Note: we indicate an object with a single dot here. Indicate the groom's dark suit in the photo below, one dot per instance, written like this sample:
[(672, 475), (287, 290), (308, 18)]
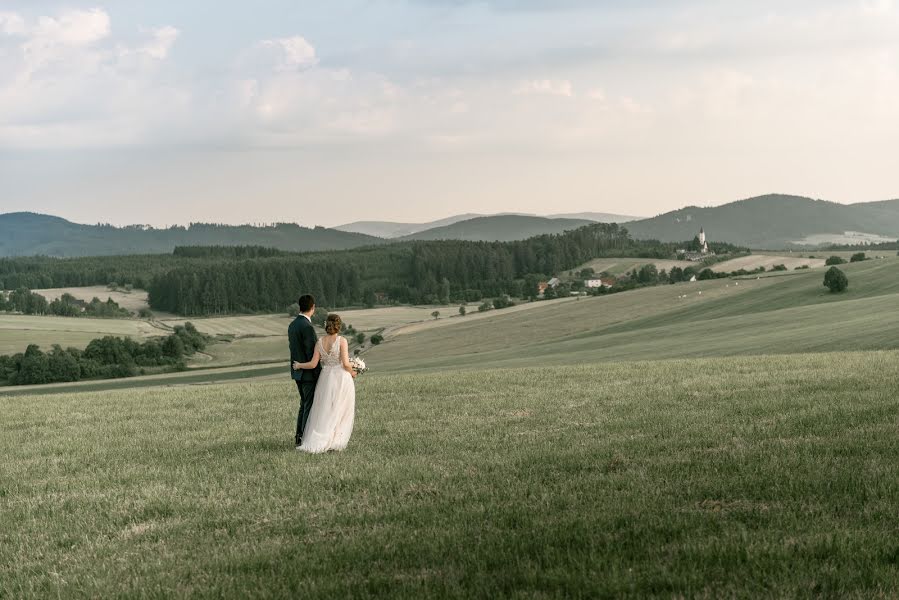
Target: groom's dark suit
[(302, 337)]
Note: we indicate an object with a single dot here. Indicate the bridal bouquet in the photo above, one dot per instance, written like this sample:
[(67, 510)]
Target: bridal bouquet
[(358, 365)]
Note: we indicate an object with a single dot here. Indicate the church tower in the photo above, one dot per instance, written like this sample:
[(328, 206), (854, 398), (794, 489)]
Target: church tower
[(701, 236)]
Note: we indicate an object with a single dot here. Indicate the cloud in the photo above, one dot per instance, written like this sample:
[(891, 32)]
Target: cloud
[(11, 23), (293, 52), (162, 41), (546, 87), (72, 27)]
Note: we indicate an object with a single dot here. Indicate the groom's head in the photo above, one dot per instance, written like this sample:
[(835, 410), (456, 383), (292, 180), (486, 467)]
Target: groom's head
[(307, 304)]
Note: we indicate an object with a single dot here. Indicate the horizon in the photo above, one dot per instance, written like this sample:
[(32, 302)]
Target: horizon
[(414, 111)]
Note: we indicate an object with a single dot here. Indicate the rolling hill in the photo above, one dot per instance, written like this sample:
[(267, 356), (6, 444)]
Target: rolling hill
[(27, 234), (788, 314), (390, 229), (503, 228), (773, 221)]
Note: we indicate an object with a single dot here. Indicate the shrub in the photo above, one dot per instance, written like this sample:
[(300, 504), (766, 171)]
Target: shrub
[(377, 339), (463, 310), (834, 260), (484, 307), (858, 257), (779, 268), (835, 280), (360, 338), (145, 313)]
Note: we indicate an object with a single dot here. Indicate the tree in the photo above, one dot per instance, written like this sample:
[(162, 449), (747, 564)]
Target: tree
[(293, 310), (462, 310), (436, 314), (360, 338), (835, 280), (858, 257), (834, 260), (377, 339)]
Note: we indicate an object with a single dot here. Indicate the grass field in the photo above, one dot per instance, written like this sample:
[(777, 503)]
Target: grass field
[(620, 266), (763, 477), (17, 331), (774, 314), (133, 300), (754, 261)]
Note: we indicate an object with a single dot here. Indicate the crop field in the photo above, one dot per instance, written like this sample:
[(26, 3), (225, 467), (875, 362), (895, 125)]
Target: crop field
[(754, 261), (620, 266), (18, 331), (753, 477), (133, 301), (707, 318)]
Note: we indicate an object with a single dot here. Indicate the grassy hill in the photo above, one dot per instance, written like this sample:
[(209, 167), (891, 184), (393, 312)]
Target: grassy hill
[(503, 228), (788, 314), (736, 477), (26, 234), (772, 221)]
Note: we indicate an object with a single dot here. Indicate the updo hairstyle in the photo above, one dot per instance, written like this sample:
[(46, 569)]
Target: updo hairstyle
[(333, 324)]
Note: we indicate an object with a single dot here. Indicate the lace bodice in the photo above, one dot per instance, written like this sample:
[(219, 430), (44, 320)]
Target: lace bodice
[(330, 359)]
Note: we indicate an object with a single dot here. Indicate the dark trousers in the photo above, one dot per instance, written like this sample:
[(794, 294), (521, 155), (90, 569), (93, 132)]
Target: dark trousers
[(307, 394)]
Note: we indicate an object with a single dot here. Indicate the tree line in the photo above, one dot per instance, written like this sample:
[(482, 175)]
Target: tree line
[(220, 280), (104, 358), (27, 302)]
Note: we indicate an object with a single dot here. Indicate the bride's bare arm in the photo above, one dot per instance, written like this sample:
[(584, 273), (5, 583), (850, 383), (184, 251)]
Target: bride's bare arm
[(345, 357), (308, 365)]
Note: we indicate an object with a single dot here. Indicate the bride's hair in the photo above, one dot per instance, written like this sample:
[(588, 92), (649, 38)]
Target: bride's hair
[(333, 324)]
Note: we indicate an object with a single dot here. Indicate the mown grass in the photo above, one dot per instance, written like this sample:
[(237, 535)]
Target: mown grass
[(763, 477), (790, 314)]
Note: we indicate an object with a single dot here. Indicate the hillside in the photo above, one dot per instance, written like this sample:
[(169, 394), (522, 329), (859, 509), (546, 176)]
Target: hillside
[(503, 228), (788, 314), (27, 234), (772, 221), (390, 229)]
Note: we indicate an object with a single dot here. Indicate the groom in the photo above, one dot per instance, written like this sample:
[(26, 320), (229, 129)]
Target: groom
[(302, 338)]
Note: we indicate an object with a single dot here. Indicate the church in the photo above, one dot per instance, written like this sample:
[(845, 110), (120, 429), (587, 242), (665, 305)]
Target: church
[(703, 253)]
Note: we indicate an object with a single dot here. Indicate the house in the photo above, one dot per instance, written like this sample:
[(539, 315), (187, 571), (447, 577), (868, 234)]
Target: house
[(598, 282), (541, 287), (554, 282)]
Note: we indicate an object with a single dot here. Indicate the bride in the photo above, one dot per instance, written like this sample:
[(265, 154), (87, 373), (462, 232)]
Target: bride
[(330, 421)]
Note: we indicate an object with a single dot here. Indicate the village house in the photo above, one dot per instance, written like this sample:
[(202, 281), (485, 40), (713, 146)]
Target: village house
[(598, 282)]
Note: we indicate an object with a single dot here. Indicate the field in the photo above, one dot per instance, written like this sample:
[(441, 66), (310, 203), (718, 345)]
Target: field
[(717, 317), (17, 331), (620, 266), (133, 301), (767, 477), (754, 261), (643, 444)]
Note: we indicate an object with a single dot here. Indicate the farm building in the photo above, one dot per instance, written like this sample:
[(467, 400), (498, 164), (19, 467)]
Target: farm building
[(598, 282)]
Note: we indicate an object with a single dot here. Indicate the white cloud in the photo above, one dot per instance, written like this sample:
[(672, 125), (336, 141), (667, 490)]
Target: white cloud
[(11, 23), (72, 27), (547, 87), (163, 40), (295, 52), (876, 7)]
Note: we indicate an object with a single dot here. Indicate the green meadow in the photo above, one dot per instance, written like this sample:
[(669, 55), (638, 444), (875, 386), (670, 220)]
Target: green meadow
[(738, 442)]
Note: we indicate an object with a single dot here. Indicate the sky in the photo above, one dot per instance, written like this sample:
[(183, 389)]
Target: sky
[(170, 112)]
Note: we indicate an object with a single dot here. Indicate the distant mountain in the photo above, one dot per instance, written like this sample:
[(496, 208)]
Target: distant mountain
[(390, 229), (501, 228), (773, 221), (595, 216), (27, 234)]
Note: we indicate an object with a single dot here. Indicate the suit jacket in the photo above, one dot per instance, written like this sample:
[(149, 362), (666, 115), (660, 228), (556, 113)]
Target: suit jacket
[(302, 338)]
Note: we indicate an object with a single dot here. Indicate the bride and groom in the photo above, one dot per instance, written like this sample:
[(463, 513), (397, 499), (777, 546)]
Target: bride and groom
[(324, 376)]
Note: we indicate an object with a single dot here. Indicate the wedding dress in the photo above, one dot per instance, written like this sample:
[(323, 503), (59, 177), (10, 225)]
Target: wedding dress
[(330, 421)]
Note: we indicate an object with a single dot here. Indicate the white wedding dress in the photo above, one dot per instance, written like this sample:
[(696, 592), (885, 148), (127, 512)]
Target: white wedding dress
[(330, 421)]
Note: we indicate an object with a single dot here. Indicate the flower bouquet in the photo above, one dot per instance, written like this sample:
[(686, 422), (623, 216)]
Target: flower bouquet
[(358, 365)]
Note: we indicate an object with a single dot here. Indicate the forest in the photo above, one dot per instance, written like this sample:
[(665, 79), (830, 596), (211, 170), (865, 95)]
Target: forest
[(197, 281)]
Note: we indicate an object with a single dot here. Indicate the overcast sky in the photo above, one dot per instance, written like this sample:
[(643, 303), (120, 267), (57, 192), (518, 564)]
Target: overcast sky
[(327, 112)]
